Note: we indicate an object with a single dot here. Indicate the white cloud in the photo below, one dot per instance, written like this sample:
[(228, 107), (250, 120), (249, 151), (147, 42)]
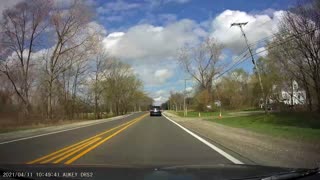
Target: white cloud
[(223, 56), (152, 75), (160, 97), (94, 26), (159, 100), (189, 89), (160, 92), (7, 4), (146, 41), (258, 27), (163, 74), (262, 52)]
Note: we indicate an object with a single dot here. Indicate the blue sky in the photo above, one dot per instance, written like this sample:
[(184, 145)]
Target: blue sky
[(198, 10), (148, 34)]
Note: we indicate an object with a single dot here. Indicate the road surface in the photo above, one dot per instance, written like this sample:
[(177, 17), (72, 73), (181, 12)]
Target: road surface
[(134, 140)]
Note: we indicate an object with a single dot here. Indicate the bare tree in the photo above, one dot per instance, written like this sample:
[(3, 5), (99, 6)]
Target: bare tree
[(100, 67), (21, 27), (176, 100), (71, 33), (122, 89), (299, 50), (202, 63), (77, 75)]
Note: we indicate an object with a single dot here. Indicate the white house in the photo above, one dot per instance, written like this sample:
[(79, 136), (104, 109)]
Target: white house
[(290, 95), (293, 95)]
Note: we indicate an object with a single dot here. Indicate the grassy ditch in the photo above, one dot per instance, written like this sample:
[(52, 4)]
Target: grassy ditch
[(288, 125)]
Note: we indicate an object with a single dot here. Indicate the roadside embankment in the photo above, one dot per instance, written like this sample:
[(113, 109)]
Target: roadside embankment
[(261, 148)]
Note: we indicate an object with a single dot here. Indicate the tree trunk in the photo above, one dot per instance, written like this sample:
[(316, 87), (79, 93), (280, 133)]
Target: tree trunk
[(308, 97), (111, 112), (96, 113), (50, 100), (318, 97)]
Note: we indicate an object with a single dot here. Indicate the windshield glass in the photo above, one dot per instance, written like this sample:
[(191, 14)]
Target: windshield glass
[(163, 83)]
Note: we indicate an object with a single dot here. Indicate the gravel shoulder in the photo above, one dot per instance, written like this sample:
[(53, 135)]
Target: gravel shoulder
[(13, 135), (258, 148)]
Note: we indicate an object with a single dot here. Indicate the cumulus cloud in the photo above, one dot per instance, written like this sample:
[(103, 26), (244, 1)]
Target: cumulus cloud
[(258, 27), (262, 52), (189, 89), (159, 100), (163, 74), (155, 75), (151, 49), (160, 96), (94, 26), (147, 41)]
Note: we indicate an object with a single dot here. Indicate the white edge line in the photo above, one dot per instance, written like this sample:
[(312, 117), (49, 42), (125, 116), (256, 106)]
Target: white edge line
[(55, 132), (220, 151)]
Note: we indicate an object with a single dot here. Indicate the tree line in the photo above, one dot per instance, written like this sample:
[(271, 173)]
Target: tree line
[(53, 66), (293, 55)]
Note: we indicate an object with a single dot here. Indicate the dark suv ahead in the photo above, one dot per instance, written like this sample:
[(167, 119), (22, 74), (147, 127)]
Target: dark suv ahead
[(155, 111)]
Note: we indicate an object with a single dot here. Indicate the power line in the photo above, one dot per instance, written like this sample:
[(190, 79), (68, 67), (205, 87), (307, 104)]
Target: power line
[(234, 65), (289, 38), (274, 35)]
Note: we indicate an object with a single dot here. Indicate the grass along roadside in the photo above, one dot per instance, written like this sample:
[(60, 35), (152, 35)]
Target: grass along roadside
[(300, 126), (196, 114), (216, 114)]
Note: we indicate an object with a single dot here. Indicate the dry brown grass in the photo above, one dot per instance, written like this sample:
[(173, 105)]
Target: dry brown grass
[(8, 124)]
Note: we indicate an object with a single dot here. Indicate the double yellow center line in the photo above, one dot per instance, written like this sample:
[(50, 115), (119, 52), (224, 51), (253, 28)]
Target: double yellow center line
[(73, 152)]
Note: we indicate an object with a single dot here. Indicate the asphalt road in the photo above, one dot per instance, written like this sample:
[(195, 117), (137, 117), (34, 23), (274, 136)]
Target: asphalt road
[(134, 140)]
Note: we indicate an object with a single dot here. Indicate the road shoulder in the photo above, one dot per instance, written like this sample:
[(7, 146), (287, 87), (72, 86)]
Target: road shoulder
[(258, 148)]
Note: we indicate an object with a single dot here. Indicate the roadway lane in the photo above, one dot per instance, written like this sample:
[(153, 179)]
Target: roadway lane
[(153, 141), (134, 140), (27, 150)]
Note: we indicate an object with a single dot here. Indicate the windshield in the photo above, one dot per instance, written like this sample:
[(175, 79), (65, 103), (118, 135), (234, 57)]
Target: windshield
[(164, 83)]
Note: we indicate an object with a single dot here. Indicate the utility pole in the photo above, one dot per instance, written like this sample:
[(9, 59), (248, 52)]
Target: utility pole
[(185, 110), (184, 97), (253, 62)]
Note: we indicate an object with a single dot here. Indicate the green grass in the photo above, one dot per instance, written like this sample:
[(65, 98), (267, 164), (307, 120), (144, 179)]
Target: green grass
[(225, 113), (196, 114), (253, 109), (304, 126)]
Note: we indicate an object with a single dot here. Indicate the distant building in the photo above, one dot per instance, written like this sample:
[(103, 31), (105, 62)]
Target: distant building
[(293, 95), (287, 94), (217, 103)]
